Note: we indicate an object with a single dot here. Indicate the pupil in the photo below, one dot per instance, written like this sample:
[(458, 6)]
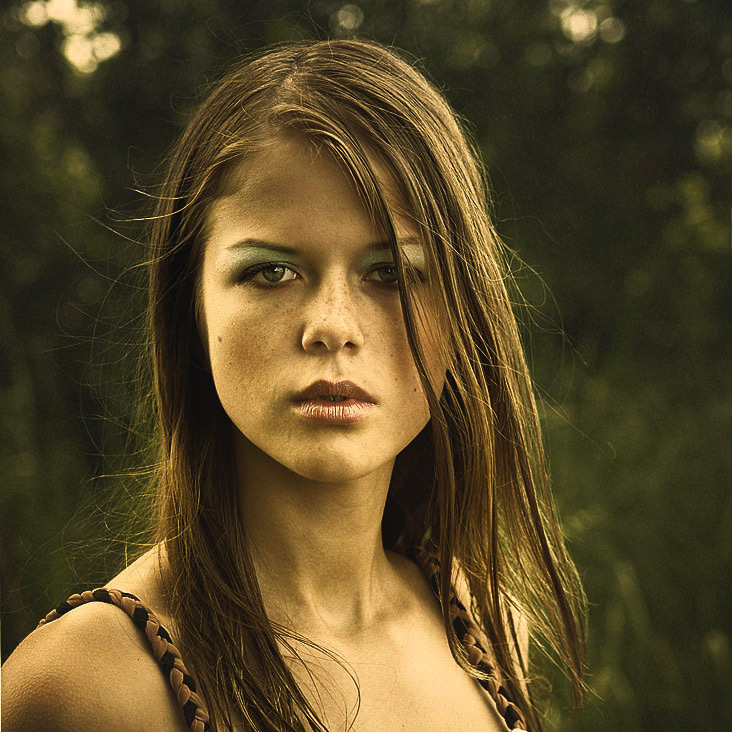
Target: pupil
[(269, 271), (393, 272)]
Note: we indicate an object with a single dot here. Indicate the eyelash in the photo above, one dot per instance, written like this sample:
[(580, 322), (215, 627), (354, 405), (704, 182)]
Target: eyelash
[(250, 273)]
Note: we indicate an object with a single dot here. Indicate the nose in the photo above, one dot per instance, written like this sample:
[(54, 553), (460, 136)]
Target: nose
[(332, 319)]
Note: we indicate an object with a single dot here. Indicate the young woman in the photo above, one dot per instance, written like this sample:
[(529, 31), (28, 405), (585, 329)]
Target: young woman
[(353, 523)]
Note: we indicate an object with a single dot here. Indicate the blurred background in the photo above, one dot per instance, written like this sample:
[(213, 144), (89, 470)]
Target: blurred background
[(606, 126)]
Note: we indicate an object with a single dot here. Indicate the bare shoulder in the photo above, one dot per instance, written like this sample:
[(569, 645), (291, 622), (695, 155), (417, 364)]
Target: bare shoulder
[(90, 669), (515, 621), (460, 584)]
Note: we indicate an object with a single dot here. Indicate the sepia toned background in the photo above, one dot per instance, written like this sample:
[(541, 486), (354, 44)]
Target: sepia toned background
[(606, 126)]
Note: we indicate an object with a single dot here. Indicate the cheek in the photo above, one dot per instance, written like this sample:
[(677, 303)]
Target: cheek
[(436, 363), (431, 328), (238, 332), (242, 351), (409, 394)]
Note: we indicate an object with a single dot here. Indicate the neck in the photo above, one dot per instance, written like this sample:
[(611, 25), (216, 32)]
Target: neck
[(316, 546)]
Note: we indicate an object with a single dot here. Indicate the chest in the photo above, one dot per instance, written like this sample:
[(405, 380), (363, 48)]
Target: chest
[(430, 700), (416, 688)]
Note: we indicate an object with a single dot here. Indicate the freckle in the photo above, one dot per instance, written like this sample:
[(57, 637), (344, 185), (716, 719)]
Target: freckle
[(219, 339)]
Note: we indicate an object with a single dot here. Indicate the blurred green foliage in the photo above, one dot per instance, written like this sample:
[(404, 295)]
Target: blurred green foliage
[(607, 129)]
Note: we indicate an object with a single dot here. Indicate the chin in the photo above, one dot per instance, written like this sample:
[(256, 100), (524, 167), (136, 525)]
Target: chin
[(334, 468)]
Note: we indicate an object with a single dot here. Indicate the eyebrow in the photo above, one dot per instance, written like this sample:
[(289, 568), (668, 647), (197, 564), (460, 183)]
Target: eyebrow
[(376, 246)]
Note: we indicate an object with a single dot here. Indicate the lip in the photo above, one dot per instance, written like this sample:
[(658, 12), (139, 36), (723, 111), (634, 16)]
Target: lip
[(348, 411), (313, 403), (320, 389)]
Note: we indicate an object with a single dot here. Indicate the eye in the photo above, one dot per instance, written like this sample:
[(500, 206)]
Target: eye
[(391, 277), (272, 272)]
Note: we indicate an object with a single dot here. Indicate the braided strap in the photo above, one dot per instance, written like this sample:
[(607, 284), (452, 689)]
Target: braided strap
[(468, 633), (166, 654)]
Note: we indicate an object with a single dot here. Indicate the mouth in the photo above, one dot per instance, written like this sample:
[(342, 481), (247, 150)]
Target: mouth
[(334, 409)]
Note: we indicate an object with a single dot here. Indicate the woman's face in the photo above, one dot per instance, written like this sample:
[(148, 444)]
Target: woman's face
[(324, 308)]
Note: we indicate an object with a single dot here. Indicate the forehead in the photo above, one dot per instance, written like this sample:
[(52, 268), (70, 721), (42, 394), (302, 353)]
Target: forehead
[(292, 185)]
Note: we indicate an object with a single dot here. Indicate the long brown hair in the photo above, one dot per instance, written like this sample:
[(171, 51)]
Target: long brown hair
[(471, 486)]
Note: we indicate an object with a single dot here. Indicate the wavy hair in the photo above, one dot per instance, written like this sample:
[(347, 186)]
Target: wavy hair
[(471, 487)]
